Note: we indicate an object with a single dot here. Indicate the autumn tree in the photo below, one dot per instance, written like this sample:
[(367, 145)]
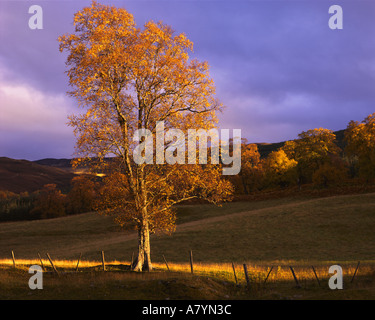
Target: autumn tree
[(5, 194), (127, 79), (279, 169), (360, 138), (312, 149), (330, 173), (251, 168), (50, 203), (81, 197)]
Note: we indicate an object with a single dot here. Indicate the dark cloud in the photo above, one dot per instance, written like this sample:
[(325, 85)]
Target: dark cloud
[(277, 66), (35, 145)]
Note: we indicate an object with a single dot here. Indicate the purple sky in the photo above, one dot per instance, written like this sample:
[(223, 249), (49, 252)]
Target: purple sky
[(278, 67)]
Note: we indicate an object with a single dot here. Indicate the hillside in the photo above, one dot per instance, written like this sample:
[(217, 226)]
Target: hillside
[(299, 232), (336, 228), (264, 150), (22, 175), (57, 163)]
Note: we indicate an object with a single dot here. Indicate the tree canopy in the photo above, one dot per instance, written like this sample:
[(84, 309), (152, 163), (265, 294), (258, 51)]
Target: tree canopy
[(129, 78)]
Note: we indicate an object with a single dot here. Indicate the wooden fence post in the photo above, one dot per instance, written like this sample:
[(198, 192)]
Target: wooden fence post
[(166, 263), (355, 272), (246, 275), (191, 261), (78, 261), (234, 272), (53, 266), (41, 262), (295, 278), (268, 275), (103, 261), (316, 276), (14, 260)]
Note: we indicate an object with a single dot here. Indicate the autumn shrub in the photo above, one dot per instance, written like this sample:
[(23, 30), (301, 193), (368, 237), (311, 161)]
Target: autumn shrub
[(312, 149), (81, 197), (5, 194), (329, 174), (15, 207), (251, 175), (280, 171), (50, 203), (360, 138)]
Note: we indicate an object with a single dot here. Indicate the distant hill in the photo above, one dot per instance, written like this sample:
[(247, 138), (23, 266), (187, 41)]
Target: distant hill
[(22, 175), (57, 163), (266, 148)]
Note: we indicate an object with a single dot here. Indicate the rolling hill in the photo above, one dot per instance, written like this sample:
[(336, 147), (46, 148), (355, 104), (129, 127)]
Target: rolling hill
[(22, 175), (296, 228), (296, 231), (57, 163)]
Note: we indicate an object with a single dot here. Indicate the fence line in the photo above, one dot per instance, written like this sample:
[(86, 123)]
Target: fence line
[(193, 270)]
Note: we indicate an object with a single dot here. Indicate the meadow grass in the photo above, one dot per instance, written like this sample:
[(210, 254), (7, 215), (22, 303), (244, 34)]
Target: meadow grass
[(337, 229), (209, 281), (224, 271), (298, 231)]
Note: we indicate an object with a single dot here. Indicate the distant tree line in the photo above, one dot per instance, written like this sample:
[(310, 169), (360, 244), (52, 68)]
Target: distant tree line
[(49, 202), (314, 158), (15, 206)]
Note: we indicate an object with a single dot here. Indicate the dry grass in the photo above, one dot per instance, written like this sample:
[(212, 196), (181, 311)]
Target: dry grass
[(337, 229), (209, 281), (224, 271), (281, 232)]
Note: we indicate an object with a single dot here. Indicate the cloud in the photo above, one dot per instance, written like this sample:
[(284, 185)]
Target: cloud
[(276, 64), (27, 109), (33, 122)]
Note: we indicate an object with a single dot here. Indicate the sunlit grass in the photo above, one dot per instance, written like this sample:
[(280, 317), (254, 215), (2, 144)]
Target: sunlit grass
[(279, 272), (65, 264), (337, 228), (274, 233), (258, 273), (209, 281)]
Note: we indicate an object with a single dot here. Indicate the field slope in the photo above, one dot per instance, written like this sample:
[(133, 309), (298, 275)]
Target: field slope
[(339, 228), (22, 175)]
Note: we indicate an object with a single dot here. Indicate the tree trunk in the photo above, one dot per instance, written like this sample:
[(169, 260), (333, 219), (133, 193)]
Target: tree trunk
[(143, 261), (244, 186)]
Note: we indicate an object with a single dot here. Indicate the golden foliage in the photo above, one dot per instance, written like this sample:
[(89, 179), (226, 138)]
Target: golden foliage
[(329, 173), (360, 138), (279, 169), (81, 197), (251, 169), (312, 149), (129, 78), (5, 194)]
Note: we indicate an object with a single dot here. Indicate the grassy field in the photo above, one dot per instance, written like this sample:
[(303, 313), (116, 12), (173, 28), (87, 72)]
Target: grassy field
[(275, 233), (209, 282)]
